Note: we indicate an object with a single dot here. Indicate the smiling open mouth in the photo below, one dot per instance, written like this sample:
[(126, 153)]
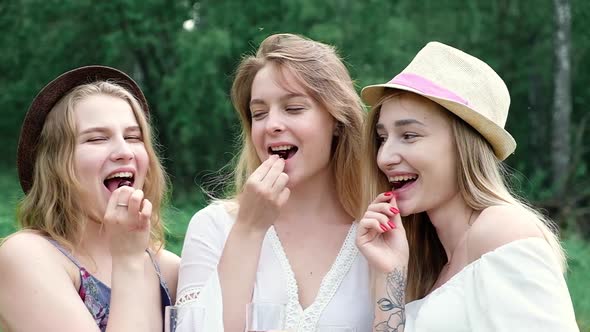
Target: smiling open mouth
[(401, 181), (118, 180), (283, 151)]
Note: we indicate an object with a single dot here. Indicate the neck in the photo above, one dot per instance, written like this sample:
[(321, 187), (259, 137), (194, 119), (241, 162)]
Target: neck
[(315, 200), (452, 221)]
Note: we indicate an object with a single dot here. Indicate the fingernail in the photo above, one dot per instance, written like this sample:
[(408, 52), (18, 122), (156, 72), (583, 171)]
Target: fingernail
[(383, 227), (391, 224), (389, 193), (394, 210)]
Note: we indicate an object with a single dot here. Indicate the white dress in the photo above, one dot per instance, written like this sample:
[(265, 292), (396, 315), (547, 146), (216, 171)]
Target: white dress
[(517, 287), (343, 297)]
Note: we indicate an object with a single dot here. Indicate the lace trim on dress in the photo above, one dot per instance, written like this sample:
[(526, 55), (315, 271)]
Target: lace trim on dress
[(188, 295), (307, 320)]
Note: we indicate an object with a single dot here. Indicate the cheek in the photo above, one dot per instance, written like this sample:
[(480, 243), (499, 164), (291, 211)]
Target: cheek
[(143, 158), (380, 159), (257, 139), (444, 164), (256, 134), (84, 163)]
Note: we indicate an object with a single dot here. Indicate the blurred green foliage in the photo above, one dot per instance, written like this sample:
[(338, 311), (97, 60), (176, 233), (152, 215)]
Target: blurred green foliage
[(186, 73)]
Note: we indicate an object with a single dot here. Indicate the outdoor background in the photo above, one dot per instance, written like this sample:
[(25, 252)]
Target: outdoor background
[(183, 54)]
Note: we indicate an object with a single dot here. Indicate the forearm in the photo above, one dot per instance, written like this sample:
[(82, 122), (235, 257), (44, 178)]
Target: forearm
[(237, 273), (390, 293), (129, 302)]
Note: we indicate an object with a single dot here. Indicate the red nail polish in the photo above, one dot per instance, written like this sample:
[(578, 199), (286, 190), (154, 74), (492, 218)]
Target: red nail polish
[(394, 210), (389, 193), (391, 224), (383, 227)]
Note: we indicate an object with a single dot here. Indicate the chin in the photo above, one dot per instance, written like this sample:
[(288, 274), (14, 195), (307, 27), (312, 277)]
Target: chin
[(406, 210)]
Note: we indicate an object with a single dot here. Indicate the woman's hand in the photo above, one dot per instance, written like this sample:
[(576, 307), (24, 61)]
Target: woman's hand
[(127, 221), (381, 236), (265, 192)]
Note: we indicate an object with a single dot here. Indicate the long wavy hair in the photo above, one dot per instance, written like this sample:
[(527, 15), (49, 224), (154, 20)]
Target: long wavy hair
[(319, 69), (482, 183), (54, 206)]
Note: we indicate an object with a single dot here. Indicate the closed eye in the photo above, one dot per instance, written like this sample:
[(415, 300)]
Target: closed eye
[(410, 136), (133, 138), (294, 109), (258, 115), (96, 139)]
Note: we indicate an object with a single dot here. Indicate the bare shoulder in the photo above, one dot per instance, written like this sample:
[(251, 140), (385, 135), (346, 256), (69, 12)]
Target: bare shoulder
[(168, 259), (169, 264), (36, 283), (28, 250), (500, 225), (24, 246)]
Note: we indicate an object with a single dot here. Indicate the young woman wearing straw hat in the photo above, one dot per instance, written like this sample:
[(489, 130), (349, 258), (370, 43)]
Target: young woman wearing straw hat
[(287, 235), (446, 235), (90, 257)]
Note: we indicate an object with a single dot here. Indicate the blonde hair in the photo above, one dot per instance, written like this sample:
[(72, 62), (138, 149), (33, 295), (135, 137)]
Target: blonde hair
[(481, 182), (318, 68), (53, 205)]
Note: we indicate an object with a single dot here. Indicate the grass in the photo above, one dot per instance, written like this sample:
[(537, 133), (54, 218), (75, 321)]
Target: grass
[(178, 217), (578, 252)]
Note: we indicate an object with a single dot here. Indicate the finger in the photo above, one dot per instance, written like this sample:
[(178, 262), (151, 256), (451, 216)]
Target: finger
[(384, 208), (273, 173), (135, 201), (124, 194), (397, 217), (370, 224), (398, 222), (260, 172), (383, 219), (281, 182), (118, 203), (284, 196), (384, 197), (111, 206), (145, 215)]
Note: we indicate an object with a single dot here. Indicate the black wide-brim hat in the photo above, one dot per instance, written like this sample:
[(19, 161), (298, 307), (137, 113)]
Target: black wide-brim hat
[(46, 100)]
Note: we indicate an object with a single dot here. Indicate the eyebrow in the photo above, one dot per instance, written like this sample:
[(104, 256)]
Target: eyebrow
[(104, 129), (401, 123), (285, 97)]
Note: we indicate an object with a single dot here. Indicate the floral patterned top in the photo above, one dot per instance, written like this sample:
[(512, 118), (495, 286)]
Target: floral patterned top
[(97, 296)]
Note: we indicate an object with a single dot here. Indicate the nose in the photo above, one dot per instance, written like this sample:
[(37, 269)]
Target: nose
[(389, 155), (275, 122), (121, 150)]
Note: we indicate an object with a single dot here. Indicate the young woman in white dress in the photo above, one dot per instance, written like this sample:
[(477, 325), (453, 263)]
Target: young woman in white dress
[(287, 235), (452, 248)]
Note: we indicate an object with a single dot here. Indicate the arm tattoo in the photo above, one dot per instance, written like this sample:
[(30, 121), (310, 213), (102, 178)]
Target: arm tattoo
[(394, 303)]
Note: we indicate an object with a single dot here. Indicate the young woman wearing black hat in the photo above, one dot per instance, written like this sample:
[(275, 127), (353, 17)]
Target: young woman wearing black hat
[(90, 256)]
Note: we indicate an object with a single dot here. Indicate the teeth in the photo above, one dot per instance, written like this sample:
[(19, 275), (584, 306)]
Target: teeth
[(281, 147), (120, 175), (402, 178)]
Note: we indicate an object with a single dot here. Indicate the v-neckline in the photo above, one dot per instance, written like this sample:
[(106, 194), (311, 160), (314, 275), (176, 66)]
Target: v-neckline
[(306, 319)]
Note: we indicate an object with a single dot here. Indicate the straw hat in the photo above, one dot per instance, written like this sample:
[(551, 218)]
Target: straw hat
[(461, 83), (48, 97)]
